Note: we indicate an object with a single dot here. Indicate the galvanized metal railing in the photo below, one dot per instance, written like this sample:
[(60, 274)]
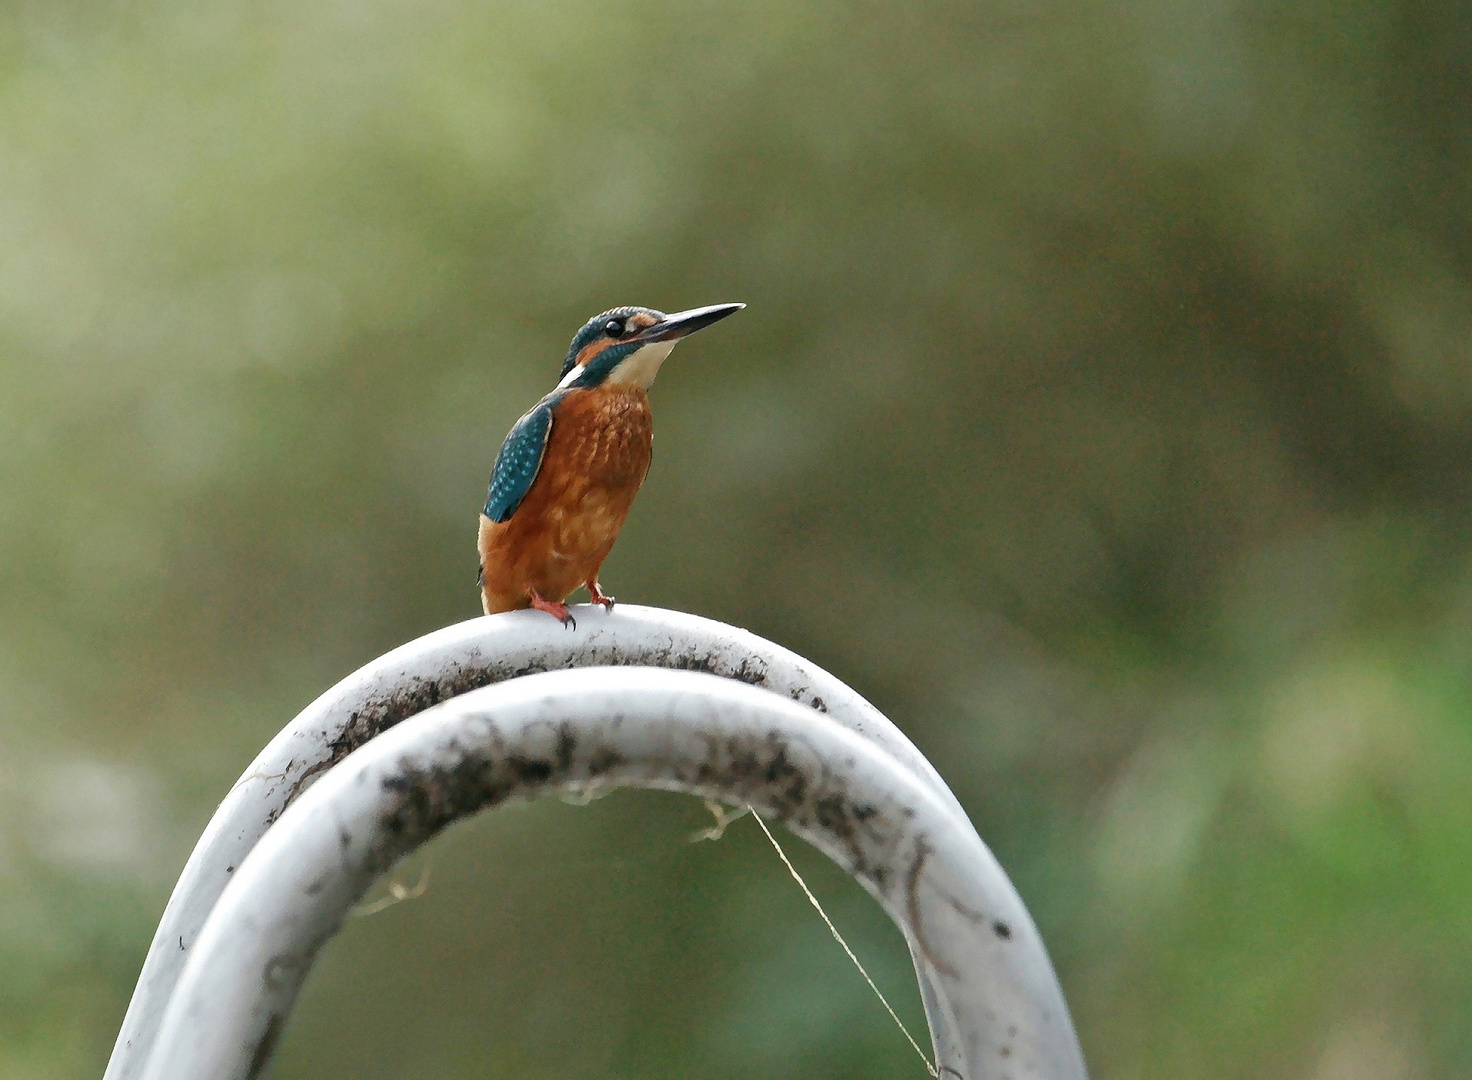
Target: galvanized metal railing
[(488, 710)]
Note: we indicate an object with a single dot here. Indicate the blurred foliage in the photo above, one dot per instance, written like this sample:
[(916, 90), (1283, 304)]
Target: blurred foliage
[(1102, 411)]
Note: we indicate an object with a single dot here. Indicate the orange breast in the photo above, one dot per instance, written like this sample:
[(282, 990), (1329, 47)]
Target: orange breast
[(596, 459)]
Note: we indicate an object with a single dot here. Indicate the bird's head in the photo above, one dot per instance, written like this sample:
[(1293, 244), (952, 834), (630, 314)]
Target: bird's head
[(627, 344)]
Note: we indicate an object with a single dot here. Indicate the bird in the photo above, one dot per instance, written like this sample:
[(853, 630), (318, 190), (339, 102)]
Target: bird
[(567, 473)]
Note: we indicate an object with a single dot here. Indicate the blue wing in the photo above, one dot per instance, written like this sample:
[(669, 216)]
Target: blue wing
[(520, 460)]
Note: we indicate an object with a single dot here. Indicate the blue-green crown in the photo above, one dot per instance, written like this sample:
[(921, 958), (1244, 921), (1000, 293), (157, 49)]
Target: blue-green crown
[(597, 327)]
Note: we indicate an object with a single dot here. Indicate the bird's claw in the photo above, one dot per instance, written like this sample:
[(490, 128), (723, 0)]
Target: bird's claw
[(553, 608), (599, 596)]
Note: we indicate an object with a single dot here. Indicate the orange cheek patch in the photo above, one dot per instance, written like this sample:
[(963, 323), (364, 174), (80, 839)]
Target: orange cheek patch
[(592, 349)]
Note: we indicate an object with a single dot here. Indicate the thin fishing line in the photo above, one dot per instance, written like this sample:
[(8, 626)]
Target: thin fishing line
[(397, 894), (930, 1068)]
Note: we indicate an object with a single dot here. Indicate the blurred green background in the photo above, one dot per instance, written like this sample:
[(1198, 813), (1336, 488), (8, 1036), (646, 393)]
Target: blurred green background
[(1102, 411)]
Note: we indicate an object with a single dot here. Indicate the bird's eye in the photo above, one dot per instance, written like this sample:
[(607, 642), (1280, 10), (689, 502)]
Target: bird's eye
[(614, 327)]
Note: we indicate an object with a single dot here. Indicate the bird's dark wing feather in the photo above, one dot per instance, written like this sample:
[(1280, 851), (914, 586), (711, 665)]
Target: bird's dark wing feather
[(520, 459)]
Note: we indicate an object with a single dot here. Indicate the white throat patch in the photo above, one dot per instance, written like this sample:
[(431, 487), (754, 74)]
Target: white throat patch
[(641, 368)]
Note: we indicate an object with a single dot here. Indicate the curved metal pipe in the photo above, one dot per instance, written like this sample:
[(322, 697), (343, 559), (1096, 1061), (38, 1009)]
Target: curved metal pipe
[(439, 666), (673, 730)]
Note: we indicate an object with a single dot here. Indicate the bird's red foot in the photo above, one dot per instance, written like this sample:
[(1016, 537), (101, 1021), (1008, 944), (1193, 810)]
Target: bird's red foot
[(553, 608), (599, 596)]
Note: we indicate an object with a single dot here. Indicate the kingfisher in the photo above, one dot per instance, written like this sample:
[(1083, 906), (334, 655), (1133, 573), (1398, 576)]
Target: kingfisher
[(567, 474)]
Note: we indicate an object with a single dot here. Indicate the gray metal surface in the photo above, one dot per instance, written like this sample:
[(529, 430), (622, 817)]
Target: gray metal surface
[(437, 667), (993, 990)]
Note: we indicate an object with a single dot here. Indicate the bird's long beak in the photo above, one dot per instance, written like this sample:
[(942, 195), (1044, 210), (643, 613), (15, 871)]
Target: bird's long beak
[(683, 323)]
